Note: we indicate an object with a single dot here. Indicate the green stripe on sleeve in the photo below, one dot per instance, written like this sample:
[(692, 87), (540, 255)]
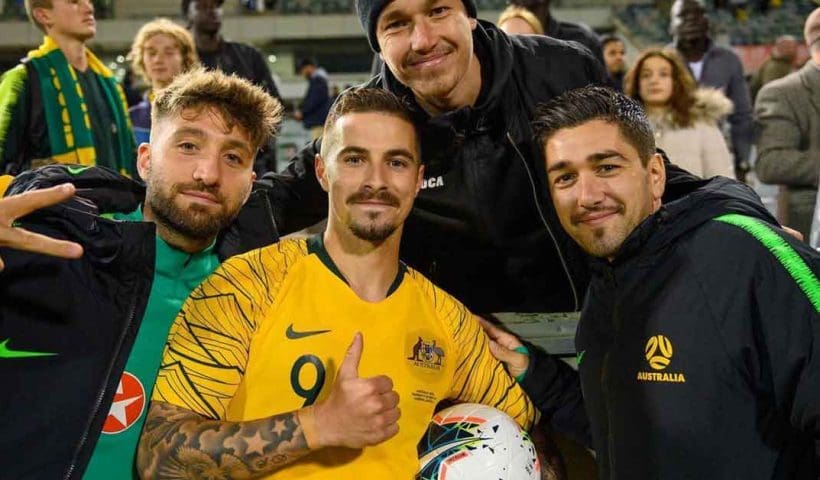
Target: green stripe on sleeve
[(785, 254)]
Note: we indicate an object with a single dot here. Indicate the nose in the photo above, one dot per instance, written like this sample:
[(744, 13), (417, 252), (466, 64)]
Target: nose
[(375, 176), (89, 5), (206, 169), (590, 191), (422, 38)]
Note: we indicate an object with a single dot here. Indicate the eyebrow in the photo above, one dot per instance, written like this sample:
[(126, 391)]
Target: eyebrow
[(391, 15), (596, 157), (393, 152), (196, 132)]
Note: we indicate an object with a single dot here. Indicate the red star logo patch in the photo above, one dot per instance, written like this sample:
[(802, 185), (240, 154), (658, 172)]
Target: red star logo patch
[(128, 404)]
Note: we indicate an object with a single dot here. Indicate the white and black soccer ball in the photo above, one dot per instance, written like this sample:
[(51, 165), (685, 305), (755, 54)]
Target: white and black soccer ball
[(476, 442)]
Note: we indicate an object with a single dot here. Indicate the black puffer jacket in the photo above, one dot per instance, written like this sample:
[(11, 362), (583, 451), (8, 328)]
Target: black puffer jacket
[(699, 351), (482, 227), (85, 313)]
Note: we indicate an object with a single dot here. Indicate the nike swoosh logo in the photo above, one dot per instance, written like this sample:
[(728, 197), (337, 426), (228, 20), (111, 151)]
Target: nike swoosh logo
[(580, 357), (77, 170), (294, 335), (6, 352)]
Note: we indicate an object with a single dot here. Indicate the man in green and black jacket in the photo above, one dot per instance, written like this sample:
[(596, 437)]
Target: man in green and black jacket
[(81, 340)]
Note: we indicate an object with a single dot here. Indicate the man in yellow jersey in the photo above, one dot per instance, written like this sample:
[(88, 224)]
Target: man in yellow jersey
[(257, 379)]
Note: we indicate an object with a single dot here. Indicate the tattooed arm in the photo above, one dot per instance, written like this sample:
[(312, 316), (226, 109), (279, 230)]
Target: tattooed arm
[(178, 443)]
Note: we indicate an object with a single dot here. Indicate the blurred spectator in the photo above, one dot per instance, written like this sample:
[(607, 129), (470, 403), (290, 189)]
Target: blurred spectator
[(779, 64), (684, 118), (215, 52), (518, 20), (132, 95), (788, 144), (316, 104), (715, 66), (562, 30), (614, 51), (161, 51), (61, 104)]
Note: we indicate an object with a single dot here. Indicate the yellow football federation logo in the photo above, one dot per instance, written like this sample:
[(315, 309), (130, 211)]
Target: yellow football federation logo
[(658, 352)]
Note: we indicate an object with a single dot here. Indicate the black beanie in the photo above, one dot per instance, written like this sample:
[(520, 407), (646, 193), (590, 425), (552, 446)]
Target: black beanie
[(369, 11)]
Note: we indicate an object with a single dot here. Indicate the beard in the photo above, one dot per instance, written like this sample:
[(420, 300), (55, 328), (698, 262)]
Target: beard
[(194, 222), (372, 231)]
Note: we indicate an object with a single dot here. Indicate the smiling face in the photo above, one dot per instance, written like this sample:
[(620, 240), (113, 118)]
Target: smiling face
[(162, 57), (656, 81), (428, 46), (372, 174), (198, 171), (68, 18), (599, 186)]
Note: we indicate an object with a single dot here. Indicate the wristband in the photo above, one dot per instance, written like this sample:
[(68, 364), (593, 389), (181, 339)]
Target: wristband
[(522, 349)]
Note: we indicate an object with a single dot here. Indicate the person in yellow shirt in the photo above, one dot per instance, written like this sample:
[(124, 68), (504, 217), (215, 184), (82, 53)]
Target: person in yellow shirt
[(256, 380)]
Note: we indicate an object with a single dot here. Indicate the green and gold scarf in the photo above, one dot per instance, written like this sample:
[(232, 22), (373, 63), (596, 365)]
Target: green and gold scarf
[(66, 113)]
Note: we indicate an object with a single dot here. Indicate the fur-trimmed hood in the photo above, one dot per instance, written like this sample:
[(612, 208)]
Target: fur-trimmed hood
[(710, 105)]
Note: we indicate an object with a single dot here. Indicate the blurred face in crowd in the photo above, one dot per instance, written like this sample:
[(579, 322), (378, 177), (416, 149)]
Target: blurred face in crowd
[(198, 171), (372, 174), (655, 81), (68, 18), (614, 56), (517, 25), (205, 16), (689, 25), (599, 185), (428, 46), (162, 57)]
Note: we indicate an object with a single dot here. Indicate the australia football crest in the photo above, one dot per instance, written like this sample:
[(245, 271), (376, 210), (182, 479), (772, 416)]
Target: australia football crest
[(426, 354)]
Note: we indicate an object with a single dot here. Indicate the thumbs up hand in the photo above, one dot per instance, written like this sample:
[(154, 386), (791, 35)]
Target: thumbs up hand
[(359, 411)]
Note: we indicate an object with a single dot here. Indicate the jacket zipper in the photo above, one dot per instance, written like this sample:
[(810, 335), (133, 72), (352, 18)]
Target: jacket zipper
[(544, 221), (101, 394)]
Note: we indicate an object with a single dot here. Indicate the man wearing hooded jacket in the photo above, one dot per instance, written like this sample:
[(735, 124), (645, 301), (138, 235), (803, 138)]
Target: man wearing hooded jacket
[(698, 343), (480, 228)]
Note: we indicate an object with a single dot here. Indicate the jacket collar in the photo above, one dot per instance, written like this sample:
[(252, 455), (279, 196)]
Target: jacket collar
[(810, 78)]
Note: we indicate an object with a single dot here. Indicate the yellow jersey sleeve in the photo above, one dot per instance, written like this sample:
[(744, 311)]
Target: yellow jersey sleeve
[(208, 346), (478, 376)]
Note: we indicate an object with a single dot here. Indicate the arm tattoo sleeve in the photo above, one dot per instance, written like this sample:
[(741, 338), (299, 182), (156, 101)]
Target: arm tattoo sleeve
[(179, 444)]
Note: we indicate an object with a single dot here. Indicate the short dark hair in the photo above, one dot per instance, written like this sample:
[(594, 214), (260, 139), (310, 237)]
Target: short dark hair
[(304, 63), (583, 105), (186, 4), (610, 38), (364, 100)]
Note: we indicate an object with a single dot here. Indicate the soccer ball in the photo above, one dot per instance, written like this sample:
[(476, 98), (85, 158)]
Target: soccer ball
[(476, 442)]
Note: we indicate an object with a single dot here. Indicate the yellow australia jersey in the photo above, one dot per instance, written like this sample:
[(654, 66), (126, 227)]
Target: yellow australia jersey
[(266, 333)]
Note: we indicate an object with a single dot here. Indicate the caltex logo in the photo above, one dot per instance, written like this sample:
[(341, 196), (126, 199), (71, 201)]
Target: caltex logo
[(128, 404)]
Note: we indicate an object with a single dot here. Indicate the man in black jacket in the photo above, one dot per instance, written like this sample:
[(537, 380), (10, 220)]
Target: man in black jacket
[(204, 19), (698, 343), (80, 340), (481, 227)]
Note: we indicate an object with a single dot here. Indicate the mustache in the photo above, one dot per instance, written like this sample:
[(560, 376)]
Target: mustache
[(365, 195), (588, 212), (413, 58), (199, 187)]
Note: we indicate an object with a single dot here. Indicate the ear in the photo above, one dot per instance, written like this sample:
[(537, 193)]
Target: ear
[(657, 179), (420, 179), (473, 23), (42, 16), (144, 160), (321, 171)]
